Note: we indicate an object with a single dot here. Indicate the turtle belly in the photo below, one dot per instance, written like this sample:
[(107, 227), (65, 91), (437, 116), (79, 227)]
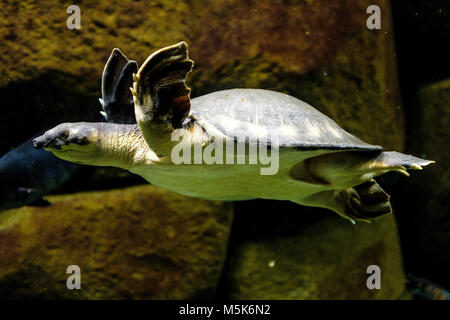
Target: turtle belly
[(229, 181)]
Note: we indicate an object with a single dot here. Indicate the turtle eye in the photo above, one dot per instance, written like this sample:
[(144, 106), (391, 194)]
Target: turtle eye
[(63, 135)]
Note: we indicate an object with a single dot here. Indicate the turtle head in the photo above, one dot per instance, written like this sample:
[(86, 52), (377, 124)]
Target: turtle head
[(76, 142)]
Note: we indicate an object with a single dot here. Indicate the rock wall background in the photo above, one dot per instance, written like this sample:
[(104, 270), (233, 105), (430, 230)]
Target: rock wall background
[(422, 32), (321, 259), (318, 51), (135, 243), (286, 46)]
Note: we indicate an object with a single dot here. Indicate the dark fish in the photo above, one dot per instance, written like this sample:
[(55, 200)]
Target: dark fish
[(425, 289), (27, 174)]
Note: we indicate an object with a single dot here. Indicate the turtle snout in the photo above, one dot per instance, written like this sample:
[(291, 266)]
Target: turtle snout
[(47, 141), (39, 142)]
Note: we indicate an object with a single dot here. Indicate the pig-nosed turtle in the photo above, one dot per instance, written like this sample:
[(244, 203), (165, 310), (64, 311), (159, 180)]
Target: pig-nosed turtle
[(320, 164)]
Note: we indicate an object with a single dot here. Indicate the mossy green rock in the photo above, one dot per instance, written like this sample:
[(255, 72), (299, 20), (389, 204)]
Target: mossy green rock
[(318, 51), (136, 243), (328, 259)]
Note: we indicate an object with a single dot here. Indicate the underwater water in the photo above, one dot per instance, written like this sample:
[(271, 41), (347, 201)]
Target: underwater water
[(73, 231)]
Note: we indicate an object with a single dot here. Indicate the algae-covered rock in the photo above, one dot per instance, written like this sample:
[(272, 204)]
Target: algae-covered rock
[(426, 200), (319, 51), (50, 74), (135, 243), (324, 259)]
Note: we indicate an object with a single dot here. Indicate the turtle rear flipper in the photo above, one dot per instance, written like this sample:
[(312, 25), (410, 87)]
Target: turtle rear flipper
[(360, 203), (392, 159), (350, 168), (161, 96), (117, 100), (369, 201)]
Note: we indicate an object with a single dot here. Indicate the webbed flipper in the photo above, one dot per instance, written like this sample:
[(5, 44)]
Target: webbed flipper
[(161, 97), (343, 169), (364, 202), (399, 162), (117, 100), (370, 201)]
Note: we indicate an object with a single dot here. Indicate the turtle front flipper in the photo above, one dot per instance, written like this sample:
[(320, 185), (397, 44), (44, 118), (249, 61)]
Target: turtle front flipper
[(161, 97), (117, 100)]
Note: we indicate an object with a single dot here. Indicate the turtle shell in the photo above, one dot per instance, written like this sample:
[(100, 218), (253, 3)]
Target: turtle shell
[(246, 114)]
